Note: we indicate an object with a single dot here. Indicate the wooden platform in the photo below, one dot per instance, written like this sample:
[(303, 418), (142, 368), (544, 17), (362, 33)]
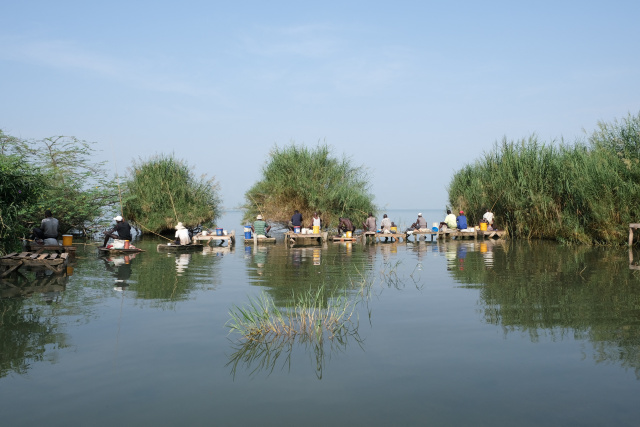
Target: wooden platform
[(374, 237), (256, 241), (338, 239), (633, 226), (119, 251), (56, 248), (185, 248), (291, 238), (51, 261), (229, 238), (500, 234)]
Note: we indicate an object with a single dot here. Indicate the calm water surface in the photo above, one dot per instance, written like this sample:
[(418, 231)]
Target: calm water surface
[(454, 333)]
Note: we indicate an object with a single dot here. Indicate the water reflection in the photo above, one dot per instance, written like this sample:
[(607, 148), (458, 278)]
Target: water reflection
[(540, 288), (120, 267)]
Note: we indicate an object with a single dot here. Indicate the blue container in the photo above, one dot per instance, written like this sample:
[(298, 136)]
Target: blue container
[(296, 229), (247, 232), (219, 231), (434, 229)]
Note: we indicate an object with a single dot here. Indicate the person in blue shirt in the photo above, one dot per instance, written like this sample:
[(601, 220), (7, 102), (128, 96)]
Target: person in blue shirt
[(296, 220), (462, 221)]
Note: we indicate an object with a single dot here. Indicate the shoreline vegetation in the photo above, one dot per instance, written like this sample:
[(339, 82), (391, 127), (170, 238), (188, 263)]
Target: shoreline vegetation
[(309, 180), (587, 192)]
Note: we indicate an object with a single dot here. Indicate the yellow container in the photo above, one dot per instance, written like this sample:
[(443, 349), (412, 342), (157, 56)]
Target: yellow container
[(394, 229), (483, 226), (69, 271), (67, 240), (316, 229), (349, 234)]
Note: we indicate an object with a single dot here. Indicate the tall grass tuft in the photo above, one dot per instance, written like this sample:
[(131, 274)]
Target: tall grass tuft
[(163, 191), (313, 314), (583, 192), (309, 180)]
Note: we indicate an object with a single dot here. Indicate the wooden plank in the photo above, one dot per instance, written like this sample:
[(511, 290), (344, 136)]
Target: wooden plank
[(43, 256), (53, 256), (10, 270), (34, 255), (23, 254), (12, 254)]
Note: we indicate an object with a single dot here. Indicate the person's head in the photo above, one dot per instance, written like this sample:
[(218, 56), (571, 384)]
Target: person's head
[(461, 212), (486, 209), (315, 214), (448, 211), (47, 214), (259, 217), (179, 226), (340, 219), (118, 219), (384, 216), (296, 211), (419, 214), (370, 214)]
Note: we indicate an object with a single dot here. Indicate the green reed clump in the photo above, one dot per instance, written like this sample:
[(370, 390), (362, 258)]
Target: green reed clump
[(584, 192), (163, 191), (313, 313), (309, 180)]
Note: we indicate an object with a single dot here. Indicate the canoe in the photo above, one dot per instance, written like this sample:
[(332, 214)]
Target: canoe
[(119, 251), (172, 247)]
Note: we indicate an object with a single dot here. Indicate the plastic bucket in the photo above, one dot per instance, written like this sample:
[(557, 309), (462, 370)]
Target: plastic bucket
[(435, 229), (483, 226), (316, 229), (218, 231), (296, 229), (247, 232), (126, 244), (349, 234), (67, 240), (394, 229)]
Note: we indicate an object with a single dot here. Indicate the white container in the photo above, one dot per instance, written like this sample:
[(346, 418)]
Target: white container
[(204, 233)]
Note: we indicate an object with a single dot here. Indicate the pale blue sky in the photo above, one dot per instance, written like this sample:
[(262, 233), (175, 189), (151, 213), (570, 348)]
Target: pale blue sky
[(413, 90)]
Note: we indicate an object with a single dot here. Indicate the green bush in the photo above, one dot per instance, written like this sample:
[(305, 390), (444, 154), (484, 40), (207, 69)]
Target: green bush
[(309, 180), (585, 192), (163, 191)]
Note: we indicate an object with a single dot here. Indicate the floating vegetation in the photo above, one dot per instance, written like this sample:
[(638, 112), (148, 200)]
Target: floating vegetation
[(315, 314)]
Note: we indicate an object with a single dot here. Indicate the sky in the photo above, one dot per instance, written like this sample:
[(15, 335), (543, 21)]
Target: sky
[(410, 90)]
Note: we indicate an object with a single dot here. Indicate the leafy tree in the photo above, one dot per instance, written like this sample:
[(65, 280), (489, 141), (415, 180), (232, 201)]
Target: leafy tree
[(75, 188), (163, 191), (20, 188), (309, 180)]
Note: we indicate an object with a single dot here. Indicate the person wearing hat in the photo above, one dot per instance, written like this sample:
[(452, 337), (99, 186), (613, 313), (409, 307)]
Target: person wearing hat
[(461, 221), (260, 227), (121, 231), (182, 235), (420, 224)]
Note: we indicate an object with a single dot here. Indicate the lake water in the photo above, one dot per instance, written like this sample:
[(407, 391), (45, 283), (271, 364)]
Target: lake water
[(449, 333)]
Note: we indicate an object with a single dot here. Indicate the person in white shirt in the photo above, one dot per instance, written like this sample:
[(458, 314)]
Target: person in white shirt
[(182, 235), (488, 216)]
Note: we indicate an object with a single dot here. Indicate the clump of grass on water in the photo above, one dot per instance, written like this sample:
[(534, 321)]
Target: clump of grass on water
[(315, 313)]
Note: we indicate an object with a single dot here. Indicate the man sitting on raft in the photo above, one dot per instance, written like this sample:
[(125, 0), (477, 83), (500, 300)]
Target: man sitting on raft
[(346, 225), (260, 228), (123, 230), (182, 235)]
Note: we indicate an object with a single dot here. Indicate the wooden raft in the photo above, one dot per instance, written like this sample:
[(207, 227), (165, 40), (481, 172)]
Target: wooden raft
[(229, 238), (379, 236), (633, 226), (71, 250), (51, 261), (338, 239), (256, 241), (291, 238)]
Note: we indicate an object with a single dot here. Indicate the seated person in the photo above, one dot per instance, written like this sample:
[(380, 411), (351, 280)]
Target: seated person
[(461, 221), (260, 228), (450, 221), (315, 221), (182, 235), (47, 234), (370, 223), (488, 217), (296, 220), (346, 225), (122, 228), (385, 224), (419, 225)]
